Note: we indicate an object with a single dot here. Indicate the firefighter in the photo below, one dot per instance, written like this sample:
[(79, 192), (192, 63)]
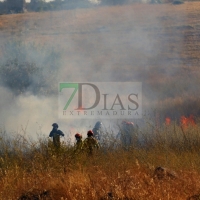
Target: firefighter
[(79, 143), (55, 133), (90, 143), (127, 133), (97, 130)]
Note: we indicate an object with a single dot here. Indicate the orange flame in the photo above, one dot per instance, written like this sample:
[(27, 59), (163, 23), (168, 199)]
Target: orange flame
[(187, 121), (167, 121)]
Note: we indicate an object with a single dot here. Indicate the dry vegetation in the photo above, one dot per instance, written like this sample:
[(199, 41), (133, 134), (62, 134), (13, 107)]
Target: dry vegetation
[(35, 170), (159, 44), (169, 70)]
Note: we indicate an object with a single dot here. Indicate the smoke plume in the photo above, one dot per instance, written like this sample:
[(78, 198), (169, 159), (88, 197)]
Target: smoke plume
[(105, 44)]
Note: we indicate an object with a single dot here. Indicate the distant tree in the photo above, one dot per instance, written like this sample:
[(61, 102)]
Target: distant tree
[(15, 5), (72, 4), (58, 4), (38, 5), (114, 2), (3, 7), (34, 4)]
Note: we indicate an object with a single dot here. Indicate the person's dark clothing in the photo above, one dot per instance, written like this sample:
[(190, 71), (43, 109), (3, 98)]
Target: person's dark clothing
[(55, 133)]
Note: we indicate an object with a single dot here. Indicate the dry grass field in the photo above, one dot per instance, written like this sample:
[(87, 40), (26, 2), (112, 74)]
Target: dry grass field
[(38, 171), (157, 45), (153, 44)]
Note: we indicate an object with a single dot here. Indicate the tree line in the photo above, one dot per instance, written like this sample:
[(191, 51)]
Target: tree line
[(20, 6)]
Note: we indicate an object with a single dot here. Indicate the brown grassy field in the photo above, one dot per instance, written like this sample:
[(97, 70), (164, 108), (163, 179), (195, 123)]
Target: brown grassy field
[(157, 45), (38, 171), (153, 44)]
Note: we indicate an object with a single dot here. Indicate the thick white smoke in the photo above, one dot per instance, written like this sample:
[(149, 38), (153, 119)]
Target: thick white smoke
[(105, 44)]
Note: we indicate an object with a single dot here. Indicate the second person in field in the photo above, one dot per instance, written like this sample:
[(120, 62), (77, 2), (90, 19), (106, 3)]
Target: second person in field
[(90, 144)]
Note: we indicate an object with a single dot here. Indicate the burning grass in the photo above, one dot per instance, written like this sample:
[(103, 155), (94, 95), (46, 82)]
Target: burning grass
[(35, 170)]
